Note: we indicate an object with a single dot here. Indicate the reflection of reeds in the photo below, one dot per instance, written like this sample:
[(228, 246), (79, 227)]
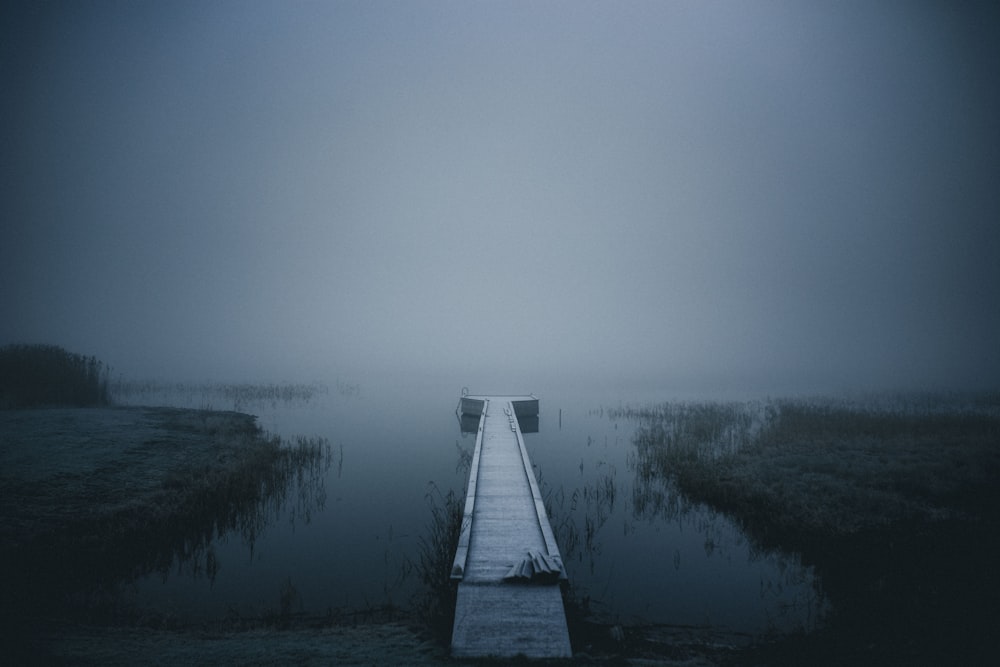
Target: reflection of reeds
[(596, 500), (464, 459), (436, 552)]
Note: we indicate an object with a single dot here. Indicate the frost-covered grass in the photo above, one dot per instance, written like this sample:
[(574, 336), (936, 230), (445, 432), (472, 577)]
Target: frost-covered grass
[(893, 500), (830, 468), (90, 499)]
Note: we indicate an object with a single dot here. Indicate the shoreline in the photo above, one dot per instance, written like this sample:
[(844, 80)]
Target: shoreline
[(169, 443), (93, 498)]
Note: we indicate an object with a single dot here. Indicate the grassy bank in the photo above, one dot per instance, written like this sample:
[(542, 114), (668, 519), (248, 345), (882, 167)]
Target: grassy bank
[(894, 505), (91, 499)]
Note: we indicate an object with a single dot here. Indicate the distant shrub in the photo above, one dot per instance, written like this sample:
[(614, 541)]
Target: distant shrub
[(46, 375)]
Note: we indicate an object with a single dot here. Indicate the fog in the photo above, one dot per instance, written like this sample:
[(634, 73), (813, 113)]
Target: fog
[(763, 195)]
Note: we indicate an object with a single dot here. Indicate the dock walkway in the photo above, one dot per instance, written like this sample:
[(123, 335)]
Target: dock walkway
[(507, 563)]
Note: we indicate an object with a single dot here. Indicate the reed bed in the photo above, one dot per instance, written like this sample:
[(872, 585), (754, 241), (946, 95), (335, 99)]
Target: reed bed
[(47, 375)]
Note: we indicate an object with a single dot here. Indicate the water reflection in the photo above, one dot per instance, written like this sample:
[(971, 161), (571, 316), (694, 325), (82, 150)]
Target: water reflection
[(638, 551), (306, 462), (289, 482), (470, 423), (634, 549), (578, 515)]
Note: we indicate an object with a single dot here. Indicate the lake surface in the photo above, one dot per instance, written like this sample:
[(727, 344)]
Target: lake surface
[(634, 551)]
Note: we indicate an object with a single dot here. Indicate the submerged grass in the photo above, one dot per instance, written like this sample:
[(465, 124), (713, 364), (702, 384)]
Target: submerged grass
[(894, 504)]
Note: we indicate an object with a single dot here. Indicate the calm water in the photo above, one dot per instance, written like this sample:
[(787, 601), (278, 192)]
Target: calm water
[(631, 548)]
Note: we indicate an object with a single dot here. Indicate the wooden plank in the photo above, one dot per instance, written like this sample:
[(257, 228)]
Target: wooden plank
[(507, 620)]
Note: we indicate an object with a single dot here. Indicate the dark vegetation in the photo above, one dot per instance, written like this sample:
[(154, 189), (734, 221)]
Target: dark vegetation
[(47, 375), (436, 554), (97, 498), (896, 507)]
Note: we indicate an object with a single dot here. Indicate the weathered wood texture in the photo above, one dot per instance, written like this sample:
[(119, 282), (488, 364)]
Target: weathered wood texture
[(505, 523)]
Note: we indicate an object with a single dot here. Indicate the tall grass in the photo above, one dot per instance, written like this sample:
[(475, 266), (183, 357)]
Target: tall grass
[(47, 375)]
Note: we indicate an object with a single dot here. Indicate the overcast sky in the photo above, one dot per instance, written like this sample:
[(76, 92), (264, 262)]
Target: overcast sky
[(747, 191)]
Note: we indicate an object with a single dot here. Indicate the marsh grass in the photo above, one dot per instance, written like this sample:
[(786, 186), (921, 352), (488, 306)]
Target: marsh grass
[(150, 495), (893, 502), (47, 375), (596, 501), (831, 469)]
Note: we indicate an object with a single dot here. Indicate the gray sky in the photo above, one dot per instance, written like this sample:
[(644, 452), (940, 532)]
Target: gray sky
[(724, 192)]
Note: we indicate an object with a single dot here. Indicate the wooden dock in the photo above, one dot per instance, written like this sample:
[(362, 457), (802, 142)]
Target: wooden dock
[(507, 563)]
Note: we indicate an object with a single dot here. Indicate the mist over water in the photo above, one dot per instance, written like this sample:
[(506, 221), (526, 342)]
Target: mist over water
[(698, 199), (602, 204)]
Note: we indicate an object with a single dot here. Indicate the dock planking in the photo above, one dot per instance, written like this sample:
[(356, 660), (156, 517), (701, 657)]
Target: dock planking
[(507, 563)]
